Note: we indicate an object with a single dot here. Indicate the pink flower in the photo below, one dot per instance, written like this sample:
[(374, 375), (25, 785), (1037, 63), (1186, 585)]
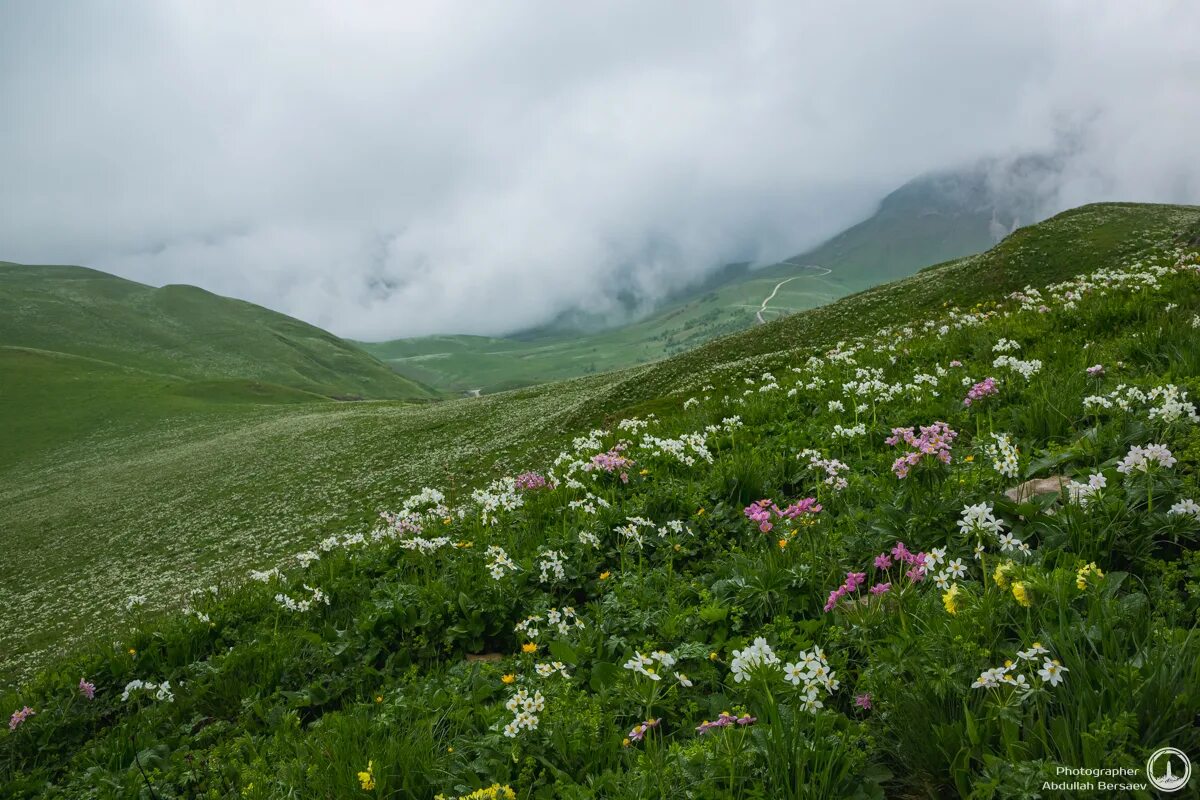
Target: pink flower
[(916, 574), (531, 480), (882, 561), (19, 717), (933, 440), (639, 731), (834, 596), (981, 390), (86, 689), (881, 588), (900, 551), (808, 505), (854, 580), (956, 363), (863, 701), (1096, 371)]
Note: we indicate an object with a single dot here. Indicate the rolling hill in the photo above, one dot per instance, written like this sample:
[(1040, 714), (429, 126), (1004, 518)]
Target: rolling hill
[(81, 350), (931, 219), (196, 496), (489, 642)]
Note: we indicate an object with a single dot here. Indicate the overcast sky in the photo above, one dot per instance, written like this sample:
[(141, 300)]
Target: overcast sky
[(401, 169)]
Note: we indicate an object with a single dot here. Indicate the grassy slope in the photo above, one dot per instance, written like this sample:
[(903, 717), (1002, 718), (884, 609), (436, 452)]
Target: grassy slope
[(82, 351), (913, 227), (190, 498), (399, 626)]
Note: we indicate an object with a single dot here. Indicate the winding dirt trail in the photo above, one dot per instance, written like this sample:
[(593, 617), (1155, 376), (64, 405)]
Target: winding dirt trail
[(759, 314)]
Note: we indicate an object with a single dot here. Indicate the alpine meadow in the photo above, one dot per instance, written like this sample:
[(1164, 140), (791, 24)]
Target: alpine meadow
[(636, 401)]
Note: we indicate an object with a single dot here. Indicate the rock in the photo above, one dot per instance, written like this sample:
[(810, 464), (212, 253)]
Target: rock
[(1035, 486)]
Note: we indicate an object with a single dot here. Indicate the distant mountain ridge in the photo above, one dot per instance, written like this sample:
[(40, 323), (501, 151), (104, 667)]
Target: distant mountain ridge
[(930, 219)]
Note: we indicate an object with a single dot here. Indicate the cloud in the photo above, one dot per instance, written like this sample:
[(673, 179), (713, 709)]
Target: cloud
[(400, 170)]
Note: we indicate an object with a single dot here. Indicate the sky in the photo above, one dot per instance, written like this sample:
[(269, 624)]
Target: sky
[(404, 169)]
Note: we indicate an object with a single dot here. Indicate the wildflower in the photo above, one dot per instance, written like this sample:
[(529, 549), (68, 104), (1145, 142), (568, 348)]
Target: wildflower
[(18, 717), (1141, 459), (605, 575), (1020, 591), (639, 731), (378, 698), (956, 568), (984, 388), (1002, 574), (942, 580), (625, 742), (508, 679), (933, 440), (1052, 672), (367, 779), (684, 680), (880, 588), (882, 561), (529, 647), (950, 599), (713, 656), (1084, 572), (863, 701), (1095, 371), (86, 689), (759, 654), (1186, 507), (724, 721)]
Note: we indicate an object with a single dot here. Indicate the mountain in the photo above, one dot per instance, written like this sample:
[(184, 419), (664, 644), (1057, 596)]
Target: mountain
[(930, 219), (211, 491), (392, 664), (81, 349)]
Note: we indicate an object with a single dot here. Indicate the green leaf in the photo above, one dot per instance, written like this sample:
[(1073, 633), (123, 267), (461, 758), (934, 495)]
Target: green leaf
[(604, 674), (563, 652)]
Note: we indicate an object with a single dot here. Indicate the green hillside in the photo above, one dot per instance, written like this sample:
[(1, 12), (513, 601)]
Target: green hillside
[(926, 221), (1006, 632), (82, 350)]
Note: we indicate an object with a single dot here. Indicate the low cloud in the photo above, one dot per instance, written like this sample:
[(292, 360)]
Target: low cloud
[(484, 167)]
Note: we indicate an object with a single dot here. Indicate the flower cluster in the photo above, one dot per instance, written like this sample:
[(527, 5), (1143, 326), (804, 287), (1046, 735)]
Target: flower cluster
[(162, 691), (550, 562), (812, 670), (983, 389), (644, 665), (525, 707), (1086, 572), (612, 461), (834, 470), (563, 619), (725, 720), (746, 661), (1026, 369), (500, 562), (1004, 454), (19, 717), (291, 604), (1083, 493), (1010, 674), (1143, 459), (1187, 508), (762, 512), (87, 689), (933, 440), (531, 480)]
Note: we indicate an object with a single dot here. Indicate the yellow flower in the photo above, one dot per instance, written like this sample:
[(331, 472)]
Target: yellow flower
[(378, 698), (700, 513), (509, 678), (133, 651), (950, 599), (529, 647), (1081, 576), (605, 575), (782, 543), (367, 779), (449, 749), (713, 656), (1000, 576), (1020, 591), (446, 521), (969, 459), (644, 472), (625, 743)]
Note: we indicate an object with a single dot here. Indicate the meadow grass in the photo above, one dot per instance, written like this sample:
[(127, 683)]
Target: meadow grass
[(707, 541)]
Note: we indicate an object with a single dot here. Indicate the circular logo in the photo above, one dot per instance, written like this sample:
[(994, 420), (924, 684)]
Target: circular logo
[(1168, 769)]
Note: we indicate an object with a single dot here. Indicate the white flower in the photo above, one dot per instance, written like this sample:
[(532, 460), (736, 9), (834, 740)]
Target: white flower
[(956, 568), (1186, 507), (1052, 672), (684, 681)]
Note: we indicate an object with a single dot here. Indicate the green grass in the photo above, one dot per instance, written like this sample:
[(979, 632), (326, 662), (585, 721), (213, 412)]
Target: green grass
[(402, 669), (83, 353), (914, 227), (182, 490)]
